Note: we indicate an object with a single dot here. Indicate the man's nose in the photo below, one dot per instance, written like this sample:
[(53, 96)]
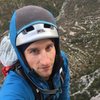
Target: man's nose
[(45, 59)]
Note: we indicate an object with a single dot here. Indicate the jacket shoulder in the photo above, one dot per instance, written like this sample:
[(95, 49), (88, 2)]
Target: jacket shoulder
[(15, 88), (65, 65), (65, 58)]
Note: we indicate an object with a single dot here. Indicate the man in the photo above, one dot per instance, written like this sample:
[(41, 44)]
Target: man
[(37, 75)]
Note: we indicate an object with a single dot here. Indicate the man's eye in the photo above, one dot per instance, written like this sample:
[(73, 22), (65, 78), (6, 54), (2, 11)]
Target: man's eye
[(34, 51), (49, 47)]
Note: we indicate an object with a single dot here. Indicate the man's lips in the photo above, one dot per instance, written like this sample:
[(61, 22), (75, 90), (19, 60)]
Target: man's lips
[(45, 68)]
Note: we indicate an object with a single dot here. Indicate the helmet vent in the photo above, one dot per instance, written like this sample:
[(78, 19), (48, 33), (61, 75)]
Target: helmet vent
[(48, 26), (29, 28)]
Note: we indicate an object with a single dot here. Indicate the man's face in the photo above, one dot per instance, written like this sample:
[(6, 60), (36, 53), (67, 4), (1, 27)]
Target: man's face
[(40, 56)]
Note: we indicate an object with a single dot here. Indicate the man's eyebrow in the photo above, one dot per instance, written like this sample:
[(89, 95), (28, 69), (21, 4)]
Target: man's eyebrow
[(33, 48)]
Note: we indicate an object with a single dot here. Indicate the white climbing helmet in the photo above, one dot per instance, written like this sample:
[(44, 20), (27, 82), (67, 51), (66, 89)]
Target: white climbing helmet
[(36, 32)]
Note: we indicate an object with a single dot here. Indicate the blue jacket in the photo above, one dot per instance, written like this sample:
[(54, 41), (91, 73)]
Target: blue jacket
[(15, 87)]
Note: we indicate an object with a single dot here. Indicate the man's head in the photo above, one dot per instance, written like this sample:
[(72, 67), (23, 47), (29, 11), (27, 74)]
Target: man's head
[(29, 25), (40, 56)]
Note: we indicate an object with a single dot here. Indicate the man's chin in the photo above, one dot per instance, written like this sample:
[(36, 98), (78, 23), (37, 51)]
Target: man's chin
[(46, 76)]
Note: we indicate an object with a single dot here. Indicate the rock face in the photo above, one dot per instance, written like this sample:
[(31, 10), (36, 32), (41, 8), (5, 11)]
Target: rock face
[(79, 28), (79, 21), (96, 98)]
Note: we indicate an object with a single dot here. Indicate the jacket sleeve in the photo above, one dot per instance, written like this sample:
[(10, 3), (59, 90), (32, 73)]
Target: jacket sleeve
[(15, 88), (66, 85)]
